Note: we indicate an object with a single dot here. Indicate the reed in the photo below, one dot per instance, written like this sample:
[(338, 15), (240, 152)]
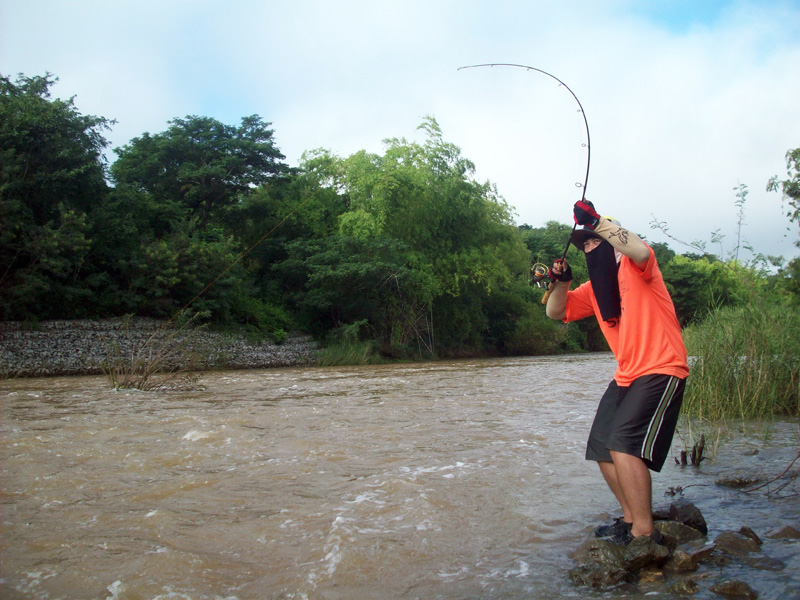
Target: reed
[(348, 353), (163, 361), (745, 364)]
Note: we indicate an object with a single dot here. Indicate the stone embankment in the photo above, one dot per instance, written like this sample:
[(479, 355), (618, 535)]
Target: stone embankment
[(84, 347)]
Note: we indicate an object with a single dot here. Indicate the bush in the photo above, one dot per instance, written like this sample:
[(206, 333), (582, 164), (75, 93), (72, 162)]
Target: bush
[(267, 318)]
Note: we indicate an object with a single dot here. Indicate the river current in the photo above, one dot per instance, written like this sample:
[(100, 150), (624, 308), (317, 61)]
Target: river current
[(446, 480)]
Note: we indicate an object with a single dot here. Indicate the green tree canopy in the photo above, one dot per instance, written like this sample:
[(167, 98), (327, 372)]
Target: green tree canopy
[(418, 229), (200, 164), (52, 172)]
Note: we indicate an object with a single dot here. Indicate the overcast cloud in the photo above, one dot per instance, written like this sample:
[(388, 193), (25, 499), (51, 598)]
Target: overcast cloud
[(683, 102)]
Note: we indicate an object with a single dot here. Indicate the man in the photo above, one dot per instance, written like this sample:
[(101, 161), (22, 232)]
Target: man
[(637, 415)]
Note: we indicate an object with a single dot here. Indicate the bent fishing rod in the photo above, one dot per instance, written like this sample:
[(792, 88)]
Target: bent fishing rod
[(587, 145)]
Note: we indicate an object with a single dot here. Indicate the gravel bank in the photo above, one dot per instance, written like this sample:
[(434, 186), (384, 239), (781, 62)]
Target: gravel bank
[(82, 347)]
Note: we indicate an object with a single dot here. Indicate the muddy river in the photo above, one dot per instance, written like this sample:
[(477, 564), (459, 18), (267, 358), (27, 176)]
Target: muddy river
[(448, 480)]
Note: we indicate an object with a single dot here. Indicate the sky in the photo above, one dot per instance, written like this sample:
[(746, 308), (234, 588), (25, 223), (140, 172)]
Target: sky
[(684, 99)]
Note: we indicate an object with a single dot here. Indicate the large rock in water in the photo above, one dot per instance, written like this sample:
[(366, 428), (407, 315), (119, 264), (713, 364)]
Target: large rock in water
[(732, 542), (734, 590), (603, 564), (787, 532), (687, 513), (642, 553), (678, 533)]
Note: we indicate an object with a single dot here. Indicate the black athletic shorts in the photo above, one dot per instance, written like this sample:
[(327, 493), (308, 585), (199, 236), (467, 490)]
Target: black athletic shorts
[(639, 419)]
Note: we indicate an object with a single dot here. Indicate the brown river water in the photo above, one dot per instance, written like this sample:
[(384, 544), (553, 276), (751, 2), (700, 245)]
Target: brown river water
[(448, 480)]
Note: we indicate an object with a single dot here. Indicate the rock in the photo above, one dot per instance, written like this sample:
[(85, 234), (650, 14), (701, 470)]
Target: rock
[(787, 532), (599, 551), (601, 564), (642, 552), (684, 587), (738, 481), (651, 576), (734, 590), (687, 513), (751, 534), (732, 542), (765, 563), (680, 562), (661, 513), (597, 576), (678, 533), (700, 553)]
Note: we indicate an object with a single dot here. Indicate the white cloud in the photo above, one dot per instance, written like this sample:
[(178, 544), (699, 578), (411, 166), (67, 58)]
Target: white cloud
[(679, 111)]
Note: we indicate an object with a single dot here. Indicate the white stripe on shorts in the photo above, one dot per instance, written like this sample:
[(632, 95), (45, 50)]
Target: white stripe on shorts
[(658, 417)]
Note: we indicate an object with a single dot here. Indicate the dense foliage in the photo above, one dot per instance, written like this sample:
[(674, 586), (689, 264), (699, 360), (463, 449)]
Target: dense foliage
[(402, 253)]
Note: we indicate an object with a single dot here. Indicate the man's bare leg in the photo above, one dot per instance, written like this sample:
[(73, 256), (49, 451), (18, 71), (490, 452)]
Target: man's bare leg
[(609, 472), (633, 478)]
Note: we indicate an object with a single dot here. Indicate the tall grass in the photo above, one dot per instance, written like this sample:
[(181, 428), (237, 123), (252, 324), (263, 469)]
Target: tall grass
[(745, 363), (348, 353)]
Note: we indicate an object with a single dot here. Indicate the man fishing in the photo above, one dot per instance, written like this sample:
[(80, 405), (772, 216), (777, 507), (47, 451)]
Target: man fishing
[(638, 413)]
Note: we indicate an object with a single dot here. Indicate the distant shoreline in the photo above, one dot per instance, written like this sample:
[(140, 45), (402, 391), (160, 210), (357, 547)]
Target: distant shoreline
[(81, 347)]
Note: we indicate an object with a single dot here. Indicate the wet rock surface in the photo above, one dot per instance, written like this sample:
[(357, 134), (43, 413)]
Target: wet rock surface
[(787, 532), (82, 347), (688, 564), (734, 590), (688, 514)]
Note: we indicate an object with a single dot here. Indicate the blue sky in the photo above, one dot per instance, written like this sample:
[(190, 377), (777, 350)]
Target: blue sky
[(685, 100), (681, 15)]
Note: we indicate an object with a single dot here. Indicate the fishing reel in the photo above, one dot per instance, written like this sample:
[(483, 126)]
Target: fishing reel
[(538, 274)]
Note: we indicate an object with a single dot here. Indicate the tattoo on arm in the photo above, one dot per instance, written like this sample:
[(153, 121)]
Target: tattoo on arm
[(621, 234)]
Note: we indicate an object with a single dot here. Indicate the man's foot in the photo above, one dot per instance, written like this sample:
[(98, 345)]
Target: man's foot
[(618, 527), (626, 537)]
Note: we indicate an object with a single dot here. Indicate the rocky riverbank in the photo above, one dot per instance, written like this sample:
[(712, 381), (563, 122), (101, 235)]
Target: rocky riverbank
[(688, 563), (83, 347)]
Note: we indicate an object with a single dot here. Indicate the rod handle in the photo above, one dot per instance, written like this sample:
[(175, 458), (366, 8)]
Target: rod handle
[(547, 293)]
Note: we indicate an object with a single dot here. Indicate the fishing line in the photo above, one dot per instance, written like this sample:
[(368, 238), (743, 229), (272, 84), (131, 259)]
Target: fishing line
[(246, 252), (587, 145), (228, 268)]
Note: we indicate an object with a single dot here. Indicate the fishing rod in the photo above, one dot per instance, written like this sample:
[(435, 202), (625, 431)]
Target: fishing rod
[(587, 145)]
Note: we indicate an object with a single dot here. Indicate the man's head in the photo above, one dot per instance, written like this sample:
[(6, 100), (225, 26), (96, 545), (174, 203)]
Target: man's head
[(602, 262), (590, 243), (586, 239)]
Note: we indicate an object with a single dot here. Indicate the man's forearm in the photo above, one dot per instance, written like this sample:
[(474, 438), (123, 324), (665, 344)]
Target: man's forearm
[(557, 301), (627, 242)]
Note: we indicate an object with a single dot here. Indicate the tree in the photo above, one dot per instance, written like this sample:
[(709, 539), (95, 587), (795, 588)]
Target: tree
[(790, 187), (700, 284), (200, 164), (52, 173), (418, 241)]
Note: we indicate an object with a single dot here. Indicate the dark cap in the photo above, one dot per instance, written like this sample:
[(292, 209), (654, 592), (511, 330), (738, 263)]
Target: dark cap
[(579, 236)]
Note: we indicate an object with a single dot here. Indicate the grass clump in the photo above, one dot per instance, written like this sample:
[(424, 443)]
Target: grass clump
[(345, 346), (348, 353), (162, 361), (745, 363)]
